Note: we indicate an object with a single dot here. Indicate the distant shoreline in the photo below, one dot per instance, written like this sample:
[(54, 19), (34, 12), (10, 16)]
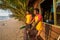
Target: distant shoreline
[(4, 18)]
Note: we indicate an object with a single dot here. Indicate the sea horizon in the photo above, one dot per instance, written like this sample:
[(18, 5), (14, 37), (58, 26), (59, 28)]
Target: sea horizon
[(4, 17)]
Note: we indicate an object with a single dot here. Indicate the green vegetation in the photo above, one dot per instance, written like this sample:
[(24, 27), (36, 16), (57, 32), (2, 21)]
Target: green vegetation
[(18, 7)]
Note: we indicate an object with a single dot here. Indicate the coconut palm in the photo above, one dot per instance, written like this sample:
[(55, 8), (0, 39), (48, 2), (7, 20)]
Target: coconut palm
[(18, 7)]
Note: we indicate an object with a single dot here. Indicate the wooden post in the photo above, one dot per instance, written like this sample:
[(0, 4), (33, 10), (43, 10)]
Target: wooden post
[(54, 7), (39, 6)]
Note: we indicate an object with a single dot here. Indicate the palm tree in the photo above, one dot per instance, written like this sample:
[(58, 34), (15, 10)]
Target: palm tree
[(18, 7)]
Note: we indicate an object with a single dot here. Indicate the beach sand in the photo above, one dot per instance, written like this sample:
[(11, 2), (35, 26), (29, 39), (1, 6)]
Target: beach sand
[(10, 30)]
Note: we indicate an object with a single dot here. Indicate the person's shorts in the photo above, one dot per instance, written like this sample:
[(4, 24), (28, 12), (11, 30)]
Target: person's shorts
[(28, 26)]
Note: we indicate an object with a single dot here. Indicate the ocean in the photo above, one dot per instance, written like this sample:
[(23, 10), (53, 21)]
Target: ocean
[(4, 17)]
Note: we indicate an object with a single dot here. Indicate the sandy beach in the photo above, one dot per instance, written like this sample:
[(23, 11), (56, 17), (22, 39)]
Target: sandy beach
[(10, 30)]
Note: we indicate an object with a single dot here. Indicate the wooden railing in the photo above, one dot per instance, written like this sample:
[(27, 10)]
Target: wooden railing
[(50, 32)]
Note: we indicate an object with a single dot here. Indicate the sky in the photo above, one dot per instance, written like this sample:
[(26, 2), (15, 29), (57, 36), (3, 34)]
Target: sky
[(5, 12)]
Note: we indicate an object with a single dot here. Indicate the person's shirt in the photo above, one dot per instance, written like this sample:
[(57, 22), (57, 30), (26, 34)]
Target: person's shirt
[(38, 21), (38, 17), (28, 18)]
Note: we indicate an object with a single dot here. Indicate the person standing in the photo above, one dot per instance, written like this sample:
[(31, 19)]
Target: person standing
[(37, 21), (28, 18)]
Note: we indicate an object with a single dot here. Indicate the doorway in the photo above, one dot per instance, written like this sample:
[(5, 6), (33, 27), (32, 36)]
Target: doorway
[(47, 11)]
